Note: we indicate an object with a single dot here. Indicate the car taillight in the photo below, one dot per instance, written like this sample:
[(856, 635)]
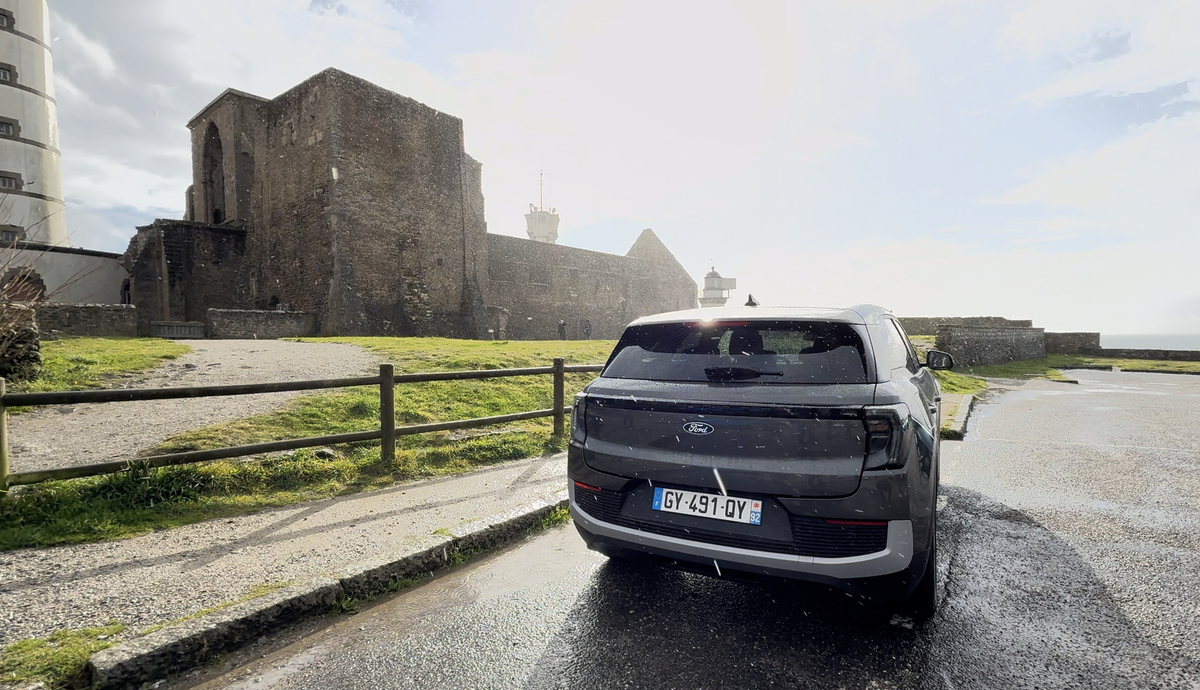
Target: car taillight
[(578, 424), (885, 426)]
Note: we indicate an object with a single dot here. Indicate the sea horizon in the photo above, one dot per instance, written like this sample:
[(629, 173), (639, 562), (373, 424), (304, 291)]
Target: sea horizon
[(1152, 341)]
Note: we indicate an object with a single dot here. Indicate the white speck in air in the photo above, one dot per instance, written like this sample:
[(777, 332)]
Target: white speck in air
[(718, 565)]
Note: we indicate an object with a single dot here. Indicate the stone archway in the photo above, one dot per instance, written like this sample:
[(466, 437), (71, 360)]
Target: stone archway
[(214, 176)]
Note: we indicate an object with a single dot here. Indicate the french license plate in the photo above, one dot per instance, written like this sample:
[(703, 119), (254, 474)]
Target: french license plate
[(728, 508)]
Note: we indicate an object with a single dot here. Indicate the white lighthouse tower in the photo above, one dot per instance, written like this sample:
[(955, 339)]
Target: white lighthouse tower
[(31, 194), (716, 289), (541, 223)]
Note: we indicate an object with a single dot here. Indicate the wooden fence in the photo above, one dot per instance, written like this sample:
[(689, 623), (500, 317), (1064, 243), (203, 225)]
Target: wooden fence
[(386, 434)]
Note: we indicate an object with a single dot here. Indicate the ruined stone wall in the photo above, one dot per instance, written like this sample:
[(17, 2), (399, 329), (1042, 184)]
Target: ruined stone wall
[(972, 345), (57, 320), (292, 246), (928, 325), (1072, 343), (236, 118), (409, 207), (202, 265), (260, 324), (534, 285)]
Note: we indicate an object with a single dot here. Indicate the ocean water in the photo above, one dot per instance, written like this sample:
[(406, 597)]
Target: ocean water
[(1168, 341)]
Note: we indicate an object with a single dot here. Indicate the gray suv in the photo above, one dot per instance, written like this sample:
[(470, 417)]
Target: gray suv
[(752, 442)]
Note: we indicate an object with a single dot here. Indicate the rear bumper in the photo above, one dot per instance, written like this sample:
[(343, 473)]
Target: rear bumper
[(895, 559)]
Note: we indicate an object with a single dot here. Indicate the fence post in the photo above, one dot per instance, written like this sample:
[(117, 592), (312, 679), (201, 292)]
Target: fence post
[(3, 438), (559, 418), (387, 412)]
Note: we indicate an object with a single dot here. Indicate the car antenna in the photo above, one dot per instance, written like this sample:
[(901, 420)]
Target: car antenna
[(751, 302)]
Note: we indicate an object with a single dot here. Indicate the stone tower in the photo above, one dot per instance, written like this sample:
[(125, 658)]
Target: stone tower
[(31, 196), (716, 289), (541, 223)]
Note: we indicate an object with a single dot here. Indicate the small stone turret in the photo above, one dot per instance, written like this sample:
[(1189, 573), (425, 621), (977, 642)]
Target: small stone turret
[(541, 223), (716, 289)]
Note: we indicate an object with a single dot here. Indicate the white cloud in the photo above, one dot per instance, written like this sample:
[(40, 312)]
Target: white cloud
[(1144, 185), (94, 54), (1162, 51), (1130, 287), (793, 140)]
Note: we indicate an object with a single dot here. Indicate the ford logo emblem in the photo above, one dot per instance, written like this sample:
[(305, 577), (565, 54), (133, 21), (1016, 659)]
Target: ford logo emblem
[(698, 428)]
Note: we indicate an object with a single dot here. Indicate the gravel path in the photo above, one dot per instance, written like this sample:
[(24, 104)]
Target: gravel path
[(84, 434)]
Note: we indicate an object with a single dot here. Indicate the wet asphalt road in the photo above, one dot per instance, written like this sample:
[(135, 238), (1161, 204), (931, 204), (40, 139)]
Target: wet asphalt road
[(1070, 559)]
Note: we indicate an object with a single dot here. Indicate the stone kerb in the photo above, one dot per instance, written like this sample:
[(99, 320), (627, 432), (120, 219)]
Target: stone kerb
[(975, 345)]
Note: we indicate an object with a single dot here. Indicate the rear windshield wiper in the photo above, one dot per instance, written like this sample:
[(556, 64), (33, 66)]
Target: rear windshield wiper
[(736, 373)]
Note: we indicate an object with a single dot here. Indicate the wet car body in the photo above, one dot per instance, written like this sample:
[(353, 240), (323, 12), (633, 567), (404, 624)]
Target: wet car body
[(822, 419)]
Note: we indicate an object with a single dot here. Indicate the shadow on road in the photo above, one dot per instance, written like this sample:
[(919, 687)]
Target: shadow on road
[(1021, 608)]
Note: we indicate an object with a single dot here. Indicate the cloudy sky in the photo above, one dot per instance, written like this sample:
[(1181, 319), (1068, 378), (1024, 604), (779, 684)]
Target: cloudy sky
[(940, 157)]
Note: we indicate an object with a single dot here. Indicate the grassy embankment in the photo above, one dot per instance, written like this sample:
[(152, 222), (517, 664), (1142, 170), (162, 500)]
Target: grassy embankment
[(141, 500)]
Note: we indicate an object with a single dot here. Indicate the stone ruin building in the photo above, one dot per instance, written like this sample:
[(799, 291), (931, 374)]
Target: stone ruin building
[(358, 206)]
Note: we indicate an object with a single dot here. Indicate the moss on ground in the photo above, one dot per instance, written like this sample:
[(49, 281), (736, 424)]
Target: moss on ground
[(57, 660)]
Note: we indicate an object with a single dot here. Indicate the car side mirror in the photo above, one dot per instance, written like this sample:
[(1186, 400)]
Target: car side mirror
[(938, 360)]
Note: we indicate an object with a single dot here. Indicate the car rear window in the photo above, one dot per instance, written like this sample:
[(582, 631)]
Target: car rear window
[(751, 351)]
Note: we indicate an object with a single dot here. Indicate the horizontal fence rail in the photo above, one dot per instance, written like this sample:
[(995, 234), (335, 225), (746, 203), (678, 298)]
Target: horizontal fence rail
[(387, 432), (135, 394)]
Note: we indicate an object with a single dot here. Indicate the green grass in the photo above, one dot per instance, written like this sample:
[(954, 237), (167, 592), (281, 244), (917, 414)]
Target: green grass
[(83, 363), (950, 381), (1050, 367), (560, 515), (1166, 366), (57, 660), (955, 382), (141, 500)]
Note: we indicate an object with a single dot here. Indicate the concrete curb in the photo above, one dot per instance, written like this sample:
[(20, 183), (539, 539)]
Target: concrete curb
[(958, 426), (183, 646)]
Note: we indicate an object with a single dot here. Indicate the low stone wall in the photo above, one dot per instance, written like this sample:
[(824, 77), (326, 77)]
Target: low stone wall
[(972, 345), (56, 320), (928, 325), (245, 323), (20, 344), (1126, 353), (1072, 343)]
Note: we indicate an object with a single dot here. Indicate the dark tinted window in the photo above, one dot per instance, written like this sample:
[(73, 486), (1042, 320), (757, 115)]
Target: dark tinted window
[(758, 351)]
